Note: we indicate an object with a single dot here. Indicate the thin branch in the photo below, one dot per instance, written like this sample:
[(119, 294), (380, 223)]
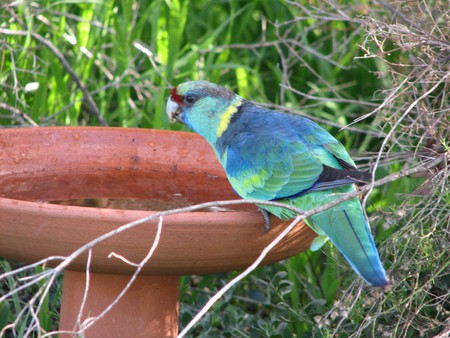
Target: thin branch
[(86, 290), (91, 321), (397, 13), (18, 115), (219, 49), (330, 99), (324, 121)]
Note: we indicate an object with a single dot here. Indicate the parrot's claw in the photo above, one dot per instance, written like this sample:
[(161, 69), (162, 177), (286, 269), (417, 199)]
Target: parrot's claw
[(266, 219)]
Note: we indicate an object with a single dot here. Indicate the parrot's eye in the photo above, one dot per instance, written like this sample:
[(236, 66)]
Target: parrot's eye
[(190, 99)]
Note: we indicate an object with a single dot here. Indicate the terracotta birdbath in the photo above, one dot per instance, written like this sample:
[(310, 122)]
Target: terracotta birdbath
[(124, 175)]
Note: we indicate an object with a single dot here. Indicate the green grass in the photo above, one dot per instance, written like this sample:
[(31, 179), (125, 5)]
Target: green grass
[(332, 67)]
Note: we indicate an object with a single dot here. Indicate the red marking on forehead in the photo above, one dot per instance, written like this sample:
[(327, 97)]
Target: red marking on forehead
[(175, 96)]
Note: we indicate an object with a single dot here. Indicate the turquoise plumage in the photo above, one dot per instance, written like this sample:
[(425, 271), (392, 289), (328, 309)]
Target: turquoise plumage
[(273, 156)]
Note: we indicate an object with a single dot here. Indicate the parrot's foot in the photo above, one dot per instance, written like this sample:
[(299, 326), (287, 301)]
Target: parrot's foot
[(266, 219)]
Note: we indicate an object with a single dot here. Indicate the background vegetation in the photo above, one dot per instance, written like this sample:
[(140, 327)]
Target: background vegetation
[(378, 70)]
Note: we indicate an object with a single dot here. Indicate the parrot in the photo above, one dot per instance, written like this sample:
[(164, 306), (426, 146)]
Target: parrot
[(270, 155)]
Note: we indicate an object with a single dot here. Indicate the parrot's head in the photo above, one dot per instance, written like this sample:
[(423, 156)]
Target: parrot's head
[(203, 106)]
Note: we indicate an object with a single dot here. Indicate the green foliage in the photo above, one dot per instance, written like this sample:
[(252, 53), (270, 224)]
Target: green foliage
[(126, 54), (332, 61)]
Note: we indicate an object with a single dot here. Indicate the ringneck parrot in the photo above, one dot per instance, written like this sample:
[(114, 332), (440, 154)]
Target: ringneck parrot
[(274, 156)]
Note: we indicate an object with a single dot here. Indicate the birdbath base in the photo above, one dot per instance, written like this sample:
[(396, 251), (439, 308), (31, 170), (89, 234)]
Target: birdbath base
[(150, 306)]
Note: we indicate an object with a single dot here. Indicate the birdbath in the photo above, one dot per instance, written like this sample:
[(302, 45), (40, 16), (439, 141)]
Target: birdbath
[(124, 175)]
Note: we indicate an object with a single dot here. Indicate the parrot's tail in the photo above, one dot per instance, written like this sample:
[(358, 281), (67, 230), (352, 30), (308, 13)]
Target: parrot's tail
[(347, 227)]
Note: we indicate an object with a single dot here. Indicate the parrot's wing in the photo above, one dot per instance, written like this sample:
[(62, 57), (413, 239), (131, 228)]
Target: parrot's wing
[(318, 136), (338, 167), (277, 170), (285, 157)]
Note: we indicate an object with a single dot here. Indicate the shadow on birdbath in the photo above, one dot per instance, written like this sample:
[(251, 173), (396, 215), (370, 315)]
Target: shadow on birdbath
[(46, 172)]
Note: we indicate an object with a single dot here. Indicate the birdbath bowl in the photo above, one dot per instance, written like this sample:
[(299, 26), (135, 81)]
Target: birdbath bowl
[(62, 187)]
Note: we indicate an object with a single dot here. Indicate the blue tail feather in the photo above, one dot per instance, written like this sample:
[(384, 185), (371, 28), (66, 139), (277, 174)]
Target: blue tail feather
[(349, 231)]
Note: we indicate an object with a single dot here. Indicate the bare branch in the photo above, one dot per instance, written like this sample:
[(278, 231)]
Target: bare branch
[(18, 115), (91, 321)]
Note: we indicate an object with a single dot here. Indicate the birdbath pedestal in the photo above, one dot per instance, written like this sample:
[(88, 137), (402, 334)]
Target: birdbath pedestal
[(125, 175)]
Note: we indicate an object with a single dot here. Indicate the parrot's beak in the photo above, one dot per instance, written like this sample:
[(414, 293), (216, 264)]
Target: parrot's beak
[(172, 109)]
